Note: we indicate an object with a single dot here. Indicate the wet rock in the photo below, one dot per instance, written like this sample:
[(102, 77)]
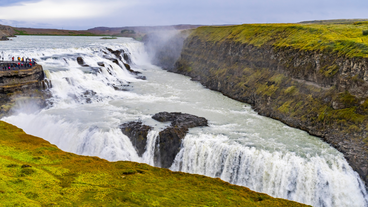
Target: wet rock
[(116, 52), (137, 133), (120, 87), (81, 62), (114, 60), (142, 77), (127, 66), (180, 120), (170, 139), (127, 58), (4, 38)]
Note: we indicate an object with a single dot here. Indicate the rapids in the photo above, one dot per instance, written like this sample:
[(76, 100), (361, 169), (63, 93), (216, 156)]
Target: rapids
[(239, 146)]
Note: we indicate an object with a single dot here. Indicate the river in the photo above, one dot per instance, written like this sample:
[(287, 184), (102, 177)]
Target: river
[(239, 146)]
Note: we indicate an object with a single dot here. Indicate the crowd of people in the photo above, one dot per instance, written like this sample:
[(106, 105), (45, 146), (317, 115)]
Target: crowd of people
[(22, 63)]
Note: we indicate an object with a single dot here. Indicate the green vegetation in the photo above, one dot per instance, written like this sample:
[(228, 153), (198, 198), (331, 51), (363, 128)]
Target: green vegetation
[(365, 32), (127, 31), (343, 39), (35, 173), (20, 32), (109, 38), (52, 32), (335, 21)]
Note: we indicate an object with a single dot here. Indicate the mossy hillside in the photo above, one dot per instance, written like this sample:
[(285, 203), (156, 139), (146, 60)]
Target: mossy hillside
[(343, 39), (35, 173)]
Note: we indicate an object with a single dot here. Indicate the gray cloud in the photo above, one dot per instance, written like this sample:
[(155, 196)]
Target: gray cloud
[(210, 12)]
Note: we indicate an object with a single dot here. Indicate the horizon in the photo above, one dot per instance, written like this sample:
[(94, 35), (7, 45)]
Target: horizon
[(87, 14)]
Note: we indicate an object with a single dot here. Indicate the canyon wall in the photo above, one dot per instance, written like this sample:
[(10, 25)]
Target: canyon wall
[(319, 85)]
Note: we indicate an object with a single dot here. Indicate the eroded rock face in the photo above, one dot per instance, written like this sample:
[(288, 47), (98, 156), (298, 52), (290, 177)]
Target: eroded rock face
[(137, 133), (169, 140)]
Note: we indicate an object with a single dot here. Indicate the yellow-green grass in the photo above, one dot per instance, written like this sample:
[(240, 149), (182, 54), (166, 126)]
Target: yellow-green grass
[(344, 39), (35, 173)]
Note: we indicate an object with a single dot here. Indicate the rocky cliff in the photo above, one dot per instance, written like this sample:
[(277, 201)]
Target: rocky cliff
[(313, 77), (6, 31), (22, 86)]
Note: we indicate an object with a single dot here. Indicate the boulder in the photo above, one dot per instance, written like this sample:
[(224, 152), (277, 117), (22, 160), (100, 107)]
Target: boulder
[(170, 139), (81, 62)]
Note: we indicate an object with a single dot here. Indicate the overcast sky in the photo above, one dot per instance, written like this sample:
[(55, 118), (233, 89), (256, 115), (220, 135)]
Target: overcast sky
[(84, 14)]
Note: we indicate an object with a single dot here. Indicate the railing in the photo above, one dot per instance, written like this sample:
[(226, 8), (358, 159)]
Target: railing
[(16, 65)]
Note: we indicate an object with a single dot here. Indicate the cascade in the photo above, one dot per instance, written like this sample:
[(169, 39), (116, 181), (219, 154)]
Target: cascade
[(89, 102)]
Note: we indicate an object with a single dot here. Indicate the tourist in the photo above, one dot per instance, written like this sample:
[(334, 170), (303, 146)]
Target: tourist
[(13, 58)]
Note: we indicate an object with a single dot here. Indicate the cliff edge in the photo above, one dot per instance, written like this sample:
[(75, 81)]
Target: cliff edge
[(312, 77)]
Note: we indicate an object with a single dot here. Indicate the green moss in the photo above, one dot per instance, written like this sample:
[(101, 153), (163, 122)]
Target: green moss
[(285, 108), (330, 70), (291, 90), (65, 179), (345, 39), (347, 99)]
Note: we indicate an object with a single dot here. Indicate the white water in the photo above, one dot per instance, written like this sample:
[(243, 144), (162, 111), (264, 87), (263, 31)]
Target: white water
[(239, 146)]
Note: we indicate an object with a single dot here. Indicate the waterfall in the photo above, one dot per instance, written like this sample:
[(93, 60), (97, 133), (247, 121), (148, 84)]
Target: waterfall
[(314, 180), (89, 102)]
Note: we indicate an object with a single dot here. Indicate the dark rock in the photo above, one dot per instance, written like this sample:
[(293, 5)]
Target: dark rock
[(170, 139), (142, 77), (101, 64), (4, 38), (127, 58), (180, 120), (137, 133), (127, 66), (81, 62), (116, 52), (114, 60)]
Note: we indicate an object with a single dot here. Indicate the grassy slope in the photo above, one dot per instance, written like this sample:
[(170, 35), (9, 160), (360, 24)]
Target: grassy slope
[(54, 177), (346, 39), (52, 32)]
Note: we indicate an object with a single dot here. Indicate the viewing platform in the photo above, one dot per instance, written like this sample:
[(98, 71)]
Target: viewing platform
[(16, 65), (14, 76)]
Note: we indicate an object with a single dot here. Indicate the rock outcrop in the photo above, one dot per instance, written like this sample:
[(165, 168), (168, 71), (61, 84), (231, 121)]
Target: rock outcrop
[(20, 87), (169, 140), (4, 38), (137, 133), (322, 92)]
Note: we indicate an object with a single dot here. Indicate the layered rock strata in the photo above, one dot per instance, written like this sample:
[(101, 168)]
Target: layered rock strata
[(323, 93)]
